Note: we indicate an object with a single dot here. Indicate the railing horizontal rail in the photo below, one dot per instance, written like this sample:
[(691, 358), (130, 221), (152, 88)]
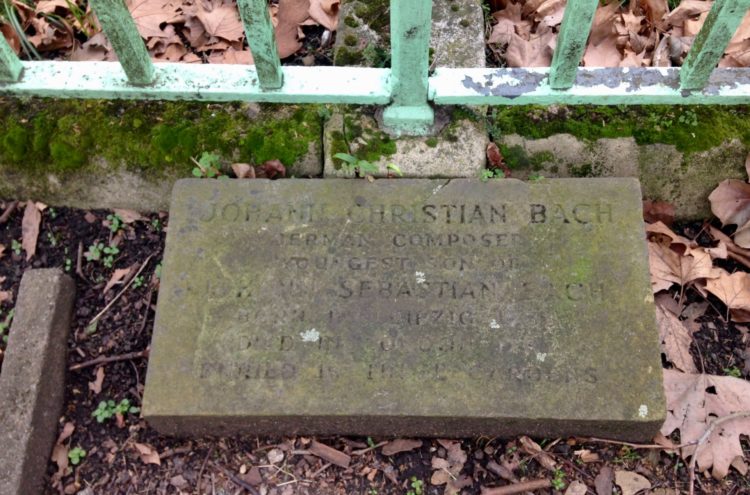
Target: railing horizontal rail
[(406, 88), (609, 86), (174, 81)]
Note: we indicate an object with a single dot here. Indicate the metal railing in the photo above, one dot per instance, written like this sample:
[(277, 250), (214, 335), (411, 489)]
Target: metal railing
[(407, 88)]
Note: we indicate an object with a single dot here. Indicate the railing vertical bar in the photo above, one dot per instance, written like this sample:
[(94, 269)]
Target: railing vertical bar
[(262, 42), (709, 45), (10, 64), (410, 113), (122, 32), (571, 42)]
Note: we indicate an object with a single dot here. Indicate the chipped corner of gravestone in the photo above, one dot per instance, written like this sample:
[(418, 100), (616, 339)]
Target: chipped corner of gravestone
[(33, 378), (457, 150)]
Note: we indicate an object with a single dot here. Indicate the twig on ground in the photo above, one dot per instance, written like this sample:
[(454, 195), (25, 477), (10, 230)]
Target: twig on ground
[(110, 359), (148, 308), (316, 473), (704, 438), (634, 445), (203, 468), (524, 486), (79, 261), (237, 480), (8, 211), (368, 449), (95, 319)]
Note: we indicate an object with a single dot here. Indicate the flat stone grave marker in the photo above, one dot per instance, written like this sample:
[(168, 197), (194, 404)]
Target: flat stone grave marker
[(406, 307)]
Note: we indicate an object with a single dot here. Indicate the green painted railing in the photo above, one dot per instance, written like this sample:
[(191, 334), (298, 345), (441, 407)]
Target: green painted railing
[(407, 88)]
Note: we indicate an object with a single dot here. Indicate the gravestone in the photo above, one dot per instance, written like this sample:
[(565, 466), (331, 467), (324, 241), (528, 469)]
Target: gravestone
[(406, 307)]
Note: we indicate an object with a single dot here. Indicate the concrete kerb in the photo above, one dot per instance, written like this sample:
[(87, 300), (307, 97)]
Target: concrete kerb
[(32, 383)]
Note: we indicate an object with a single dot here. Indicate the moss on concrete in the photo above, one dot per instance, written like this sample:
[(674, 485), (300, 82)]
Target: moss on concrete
[(360, 138), (690, 128), (516, 157), (61, 136)]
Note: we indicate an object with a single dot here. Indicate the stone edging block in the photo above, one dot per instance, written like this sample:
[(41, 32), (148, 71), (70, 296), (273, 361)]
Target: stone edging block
[(32, 383)]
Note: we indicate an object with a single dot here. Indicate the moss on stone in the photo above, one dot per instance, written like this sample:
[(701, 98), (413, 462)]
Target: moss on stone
[(67, 135), (431, 142), (690, 128), (348, 56), (516, 157), (374, 13), (359, 136)]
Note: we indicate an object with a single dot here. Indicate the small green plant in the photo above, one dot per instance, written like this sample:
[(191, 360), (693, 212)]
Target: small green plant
[(536, 177), (94, 252), (5, 325), (110, 251), (68, 265), (52, 239), (733, 371), (115, 222), (688, 117), (207, 166), (16, 247), (356, 166), (76, 455), (157, 271), (138, 282), (156, 224), (370, 442), (626, 454), (52, 213), (417, 486), (108, 409), (491, 173), (392, 167), (558, 480)]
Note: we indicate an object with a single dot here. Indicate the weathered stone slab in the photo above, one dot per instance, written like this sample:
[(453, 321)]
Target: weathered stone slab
[(33, 378), (406, 307)]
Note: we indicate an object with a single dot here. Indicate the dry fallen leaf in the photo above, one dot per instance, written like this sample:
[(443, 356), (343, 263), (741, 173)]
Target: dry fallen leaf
[(400, 445), (675, 339), (220, 19), (243, 170), (5, 295), (658, 211), (631, 483), (32, 217), (603, 481), (60, 451), (576, 488), (96, 385), (290, 15), (447, 470), (534, 449), (119, 275), (2, 250), (693, 401), (730, 202), (128, 216), (732, 289), (148, 454), (275, 456), (325, 13)]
